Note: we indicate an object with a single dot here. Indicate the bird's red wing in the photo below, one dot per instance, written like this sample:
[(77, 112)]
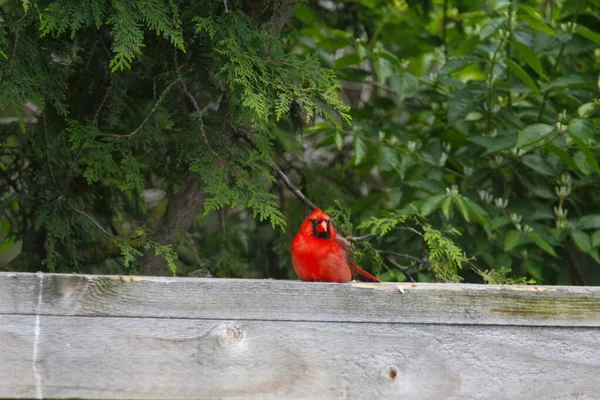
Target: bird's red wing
[(357, 272)]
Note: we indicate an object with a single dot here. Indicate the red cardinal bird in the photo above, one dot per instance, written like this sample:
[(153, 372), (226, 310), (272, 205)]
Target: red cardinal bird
[(319, 254)]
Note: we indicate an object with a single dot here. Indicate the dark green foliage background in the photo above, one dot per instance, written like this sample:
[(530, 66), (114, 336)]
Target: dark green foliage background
[(465, 122)]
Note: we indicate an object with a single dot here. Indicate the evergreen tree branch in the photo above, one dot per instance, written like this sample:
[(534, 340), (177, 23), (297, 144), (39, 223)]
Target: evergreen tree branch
[(185, 89), (374, 234), (281, 175), (160, 99), (61, 195), (108, 92)]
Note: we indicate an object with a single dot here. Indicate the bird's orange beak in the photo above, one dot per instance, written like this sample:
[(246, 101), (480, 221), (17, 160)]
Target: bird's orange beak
[(322, 227)]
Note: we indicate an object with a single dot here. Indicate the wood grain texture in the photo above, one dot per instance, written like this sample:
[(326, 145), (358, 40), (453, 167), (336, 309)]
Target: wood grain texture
[(129, 358), (75, 336), (232, 299)]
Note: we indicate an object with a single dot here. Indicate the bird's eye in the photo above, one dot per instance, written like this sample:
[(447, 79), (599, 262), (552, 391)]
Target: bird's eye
[(315, 222)]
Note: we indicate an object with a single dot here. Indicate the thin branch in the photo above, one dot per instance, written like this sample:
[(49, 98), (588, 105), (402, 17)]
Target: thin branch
[(185, 89), (444, 33), (281, 175), (374, 234), (106, 95), (160, 99), (407, 256), (61, 196)]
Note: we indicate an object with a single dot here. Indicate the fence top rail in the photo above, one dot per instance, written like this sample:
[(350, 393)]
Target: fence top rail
[(279, 300)]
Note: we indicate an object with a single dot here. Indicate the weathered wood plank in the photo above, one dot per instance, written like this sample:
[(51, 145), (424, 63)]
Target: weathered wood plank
[(128, 358), (233, 299)]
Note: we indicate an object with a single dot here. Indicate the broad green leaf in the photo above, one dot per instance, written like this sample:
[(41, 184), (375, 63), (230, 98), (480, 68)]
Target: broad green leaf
[(496, 144), (582, 241), (582, 165), (563, 156), (512, 239), (347, 60), (521, 74), (596, 238), (464, 101), (590, 158), (456, 63), (490, 27), (384, 69), (588, 33), (447, 207), (360, 150), (532, 134), (530, 57), (582, 128), (404, 85), (591, 221), (542, 244), (339, 140), (304, 13), (431, 203), (572, 81), (427, 185), (587, 109), (334, 43), (538, 164), (537, 24), (477, 211), (462, 207), (3, 55)]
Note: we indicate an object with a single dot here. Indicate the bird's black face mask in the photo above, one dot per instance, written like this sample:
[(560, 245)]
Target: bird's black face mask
[(322, 228)]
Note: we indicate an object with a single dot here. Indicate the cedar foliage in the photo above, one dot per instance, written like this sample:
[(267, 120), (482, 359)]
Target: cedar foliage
[(461, 133)]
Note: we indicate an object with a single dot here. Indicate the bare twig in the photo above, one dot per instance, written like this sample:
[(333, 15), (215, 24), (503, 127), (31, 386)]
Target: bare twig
[(61, 196), (281, 175), (108, 92), (185, 89), (374, 234), (160, 99), (407, 256)]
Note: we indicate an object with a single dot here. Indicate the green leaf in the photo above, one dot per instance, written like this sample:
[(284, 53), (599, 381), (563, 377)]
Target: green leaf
[(582, 128), (532, 134), (447, 207), (464, 210), (3, 55), (563, 156), (587, 109), (339, 140), (530, 57), (522, 74), (531, 16), (360, 150), (596, 239), (538, 164), (304, 13), (334, 43), (464, 101), (496, 144), (347, 60), (404, 85), (591, 221), (582, 165), (582, 241), (588, 33), (432, 203), (590, 158), (456, 63), (512, 239), (384, 69), (490, 27), (542, 244), (427, 185), (477, 211)]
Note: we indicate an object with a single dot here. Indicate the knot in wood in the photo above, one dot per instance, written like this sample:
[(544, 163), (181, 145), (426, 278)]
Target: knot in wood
[(390, 373), (234, 333)]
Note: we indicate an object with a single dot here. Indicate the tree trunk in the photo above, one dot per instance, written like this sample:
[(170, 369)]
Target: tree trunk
[(181, 210)]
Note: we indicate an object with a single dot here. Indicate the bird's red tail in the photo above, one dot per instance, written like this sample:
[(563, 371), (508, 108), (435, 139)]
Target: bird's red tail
[(363, 275)]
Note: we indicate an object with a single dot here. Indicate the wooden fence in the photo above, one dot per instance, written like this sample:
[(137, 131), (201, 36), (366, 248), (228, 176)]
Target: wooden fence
[(76, 336)]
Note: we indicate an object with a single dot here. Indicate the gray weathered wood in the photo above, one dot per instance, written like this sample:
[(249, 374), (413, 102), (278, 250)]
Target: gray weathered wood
[(233, 299), (132, 358), (65, 336)]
